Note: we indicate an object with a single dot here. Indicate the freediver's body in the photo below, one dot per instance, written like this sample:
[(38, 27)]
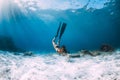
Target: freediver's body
[(61, 50), (56, 44)]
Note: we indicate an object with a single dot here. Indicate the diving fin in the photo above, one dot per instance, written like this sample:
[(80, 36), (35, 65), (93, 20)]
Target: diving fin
[(58, 29), (62, 29)]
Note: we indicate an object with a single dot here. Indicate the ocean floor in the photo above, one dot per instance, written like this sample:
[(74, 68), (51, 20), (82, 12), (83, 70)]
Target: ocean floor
[(54, 67)]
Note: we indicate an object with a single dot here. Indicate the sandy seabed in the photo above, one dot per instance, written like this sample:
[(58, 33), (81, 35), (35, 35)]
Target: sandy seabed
[(55, 67)]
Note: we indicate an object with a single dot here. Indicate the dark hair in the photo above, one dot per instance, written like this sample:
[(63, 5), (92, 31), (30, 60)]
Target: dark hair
[(65, 50), (57, 46), (63, 46)]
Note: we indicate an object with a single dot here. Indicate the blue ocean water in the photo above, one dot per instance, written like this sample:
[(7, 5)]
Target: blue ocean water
[(31, 24)]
